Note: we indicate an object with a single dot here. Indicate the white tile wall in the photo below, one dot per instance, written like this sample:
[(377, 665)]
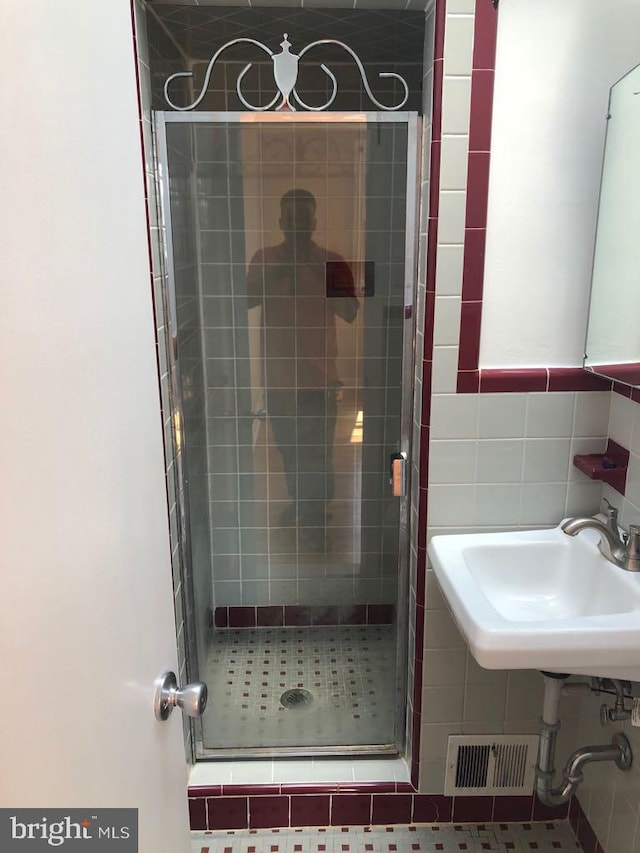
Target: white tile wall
[(456, 102), (458, 45), (449, 261), (451, 216), (487, 469)]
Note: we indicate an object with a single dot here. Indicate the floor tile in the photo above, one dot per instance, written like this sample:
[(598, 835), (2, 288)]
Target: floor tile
[(421, 838), (345, 670)]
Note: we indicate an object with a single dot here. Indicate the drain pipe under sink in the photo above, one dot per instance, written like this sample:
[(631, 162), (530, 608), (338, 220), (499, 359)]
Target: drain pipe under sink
[(619, 750)]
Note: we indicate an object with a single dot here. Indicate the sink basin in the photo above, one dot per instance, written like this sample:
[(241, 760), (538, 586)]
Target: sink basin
[(540, 599)]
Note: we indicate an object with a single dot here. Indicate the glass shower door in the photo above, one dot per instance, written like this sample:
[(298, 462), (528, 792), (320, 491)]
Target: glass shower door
[(298, 228)]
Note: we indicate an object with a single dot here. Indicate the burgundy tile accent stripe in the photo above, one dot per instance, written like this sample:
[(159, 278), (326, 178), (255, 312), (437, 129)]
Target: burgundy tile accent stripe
[(621, 388), (484, 36), (297, 615), (392, 808), (366, 804), (351, 809), (477, 189), (472, 380), (576, 379), (270, 616), (473, 265), (470, 318), (480, 117), (626, 373), (472, 809), (468, 382), (198, 813), (503, 380), (228, 813), (269, 812), (310, 811), (432, 808)]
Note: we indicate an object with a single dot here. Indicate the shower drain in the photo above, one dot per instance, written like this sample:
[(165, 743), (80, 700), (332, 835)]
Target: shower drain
[(297, 697)]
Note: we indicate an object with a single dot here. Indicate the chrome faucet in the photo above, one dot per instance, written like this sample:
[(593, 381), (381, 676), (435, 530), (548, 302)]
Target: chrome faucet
[(623, 550)]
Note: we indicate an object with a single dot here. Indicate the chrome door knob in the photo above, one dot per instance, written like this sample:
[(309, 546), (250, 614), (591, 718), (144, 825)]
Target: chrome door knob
[(191, 699)]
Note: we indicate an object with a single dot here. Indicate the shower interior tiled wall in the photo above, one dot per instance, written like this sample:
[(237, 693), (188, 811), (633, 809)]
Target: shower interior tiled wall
[(258, 559)]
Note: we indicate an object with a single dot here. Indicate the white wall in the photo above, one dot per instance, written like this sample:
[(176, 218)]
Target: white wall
[(555, 64), (86, 606)]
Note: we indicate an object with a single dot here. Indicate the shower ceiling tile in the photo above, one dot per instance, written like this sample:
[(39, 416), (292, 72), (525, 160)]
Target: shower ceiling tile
[(377, 35)]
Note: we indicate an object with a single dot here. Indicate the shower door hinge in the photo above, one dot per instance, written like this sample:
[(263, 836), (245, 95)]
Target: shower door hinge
[(398, 474)]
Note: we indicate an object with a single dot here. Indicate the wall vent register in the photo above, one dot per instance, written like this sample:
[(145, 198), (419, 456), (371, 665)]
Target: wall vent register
[(484, 765)]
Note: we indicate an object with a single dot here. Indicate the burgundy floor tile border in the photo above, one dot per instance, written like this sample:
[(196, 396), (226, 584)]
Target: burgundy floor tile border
[(298, 615), (351, 809), (365, 804), (269, 812), (310, 811)]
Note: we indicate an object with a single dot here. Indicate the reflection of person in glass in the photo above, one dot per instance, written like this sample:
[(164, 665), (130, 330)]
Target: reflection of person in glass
[(302, 288)]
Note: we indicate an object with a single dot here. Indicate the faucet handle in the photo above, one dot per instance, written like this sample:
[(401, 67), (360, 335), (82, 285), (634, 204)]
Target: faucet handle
[(611, 512), (632, 549)]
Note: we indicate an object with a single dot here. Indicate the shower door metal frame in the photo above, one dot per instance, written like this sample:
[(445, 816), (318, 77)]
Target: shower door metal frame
[(413, 123)]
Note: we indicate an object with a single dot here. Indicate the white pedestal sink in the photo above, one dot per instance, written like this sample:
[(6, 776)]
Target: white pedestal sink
[(540, 599)]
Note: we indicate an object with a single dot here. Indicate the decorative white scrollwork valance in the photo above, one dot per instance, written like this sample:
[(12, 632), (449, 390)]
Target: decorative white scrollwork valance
[(285, 74)]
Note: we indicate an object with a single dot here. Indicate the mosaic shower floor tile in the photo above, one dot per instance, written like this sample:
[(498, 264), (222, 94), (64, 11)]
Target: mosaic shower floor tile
[(347, 673), (431, 838)]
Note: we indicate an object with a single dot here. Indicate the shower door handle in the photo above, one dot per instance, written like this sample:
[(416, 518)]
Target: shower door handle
[(398, 474), (191, 699)]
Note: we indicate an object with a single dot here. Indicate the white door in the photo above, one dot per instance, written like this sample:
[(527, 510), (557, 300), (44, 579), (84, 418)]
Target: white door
[(86, 598)]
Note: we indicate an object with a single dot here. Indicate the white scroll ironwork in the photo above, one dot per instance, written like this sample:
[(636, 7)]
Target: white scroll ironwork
[(285, 74)]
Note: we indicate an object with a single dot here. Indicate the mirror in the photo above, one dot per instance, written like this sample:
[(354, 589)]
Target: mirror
[(613, 337)]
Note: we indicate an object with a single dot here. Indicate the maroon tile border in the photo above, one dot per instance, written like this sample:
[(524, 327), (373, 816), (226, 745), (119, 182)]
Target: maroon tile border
[(392, 808), (310, 811), (628, 374), (364, 804), (472, 380), (228, 813), (269, 812), (351, 809), (296, 615)]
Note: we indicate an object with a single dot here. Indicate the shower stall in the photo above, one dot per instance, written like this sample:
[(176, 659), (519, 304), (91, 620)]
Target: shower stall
[(290, 258)]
